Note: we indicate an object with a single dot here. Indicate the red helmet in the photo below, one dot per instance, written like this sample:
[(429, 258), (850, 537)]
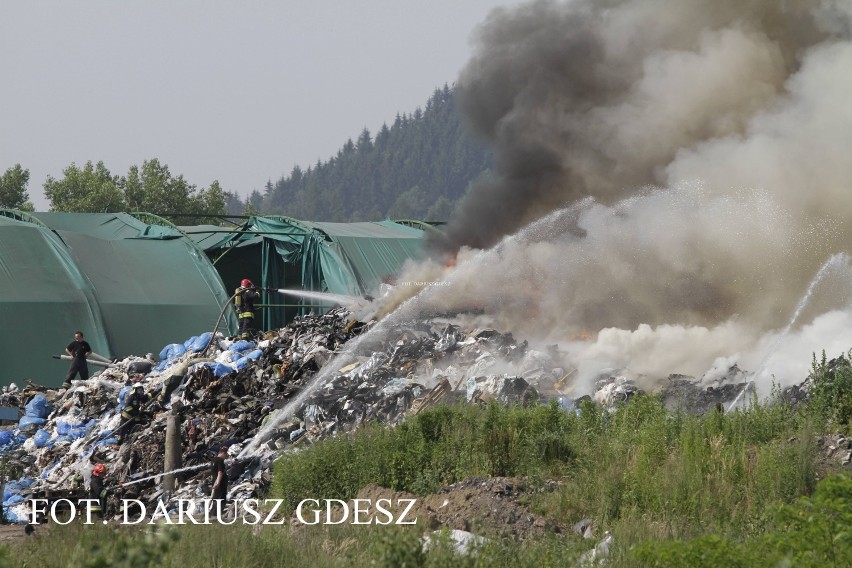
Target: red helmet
[(99, 470), (246, 283)]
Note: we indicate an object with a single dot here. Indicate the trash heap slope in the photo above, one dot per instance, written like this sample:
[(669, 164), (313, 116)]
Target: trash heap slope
[(241, 394)]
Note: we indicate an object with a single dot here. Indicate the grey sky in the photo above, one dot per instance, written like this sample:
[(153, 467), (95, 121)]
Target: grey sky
[(235, 91)]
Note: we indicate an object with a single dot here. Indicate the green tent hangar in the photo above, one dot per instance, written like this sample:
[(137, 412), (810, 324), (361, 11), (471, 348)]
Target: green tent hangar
[(131, 282), (349, 259)]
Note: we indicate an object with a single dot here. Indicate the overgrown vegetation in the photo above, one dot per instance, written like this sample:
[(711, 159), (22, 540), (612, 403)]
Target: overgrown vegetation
[(675, 489), (436, 448), (831, 391), (642, 470)]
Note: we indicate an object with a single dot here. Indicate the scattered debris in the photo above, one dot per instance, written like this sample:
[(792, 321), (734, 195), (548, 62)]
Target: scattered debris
[(463, 541), (225, 392), (598, 555)]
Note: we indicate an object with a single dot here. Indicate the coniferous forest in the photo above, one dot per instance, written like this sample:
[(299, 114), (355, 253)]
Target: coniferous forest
[(416, 168)]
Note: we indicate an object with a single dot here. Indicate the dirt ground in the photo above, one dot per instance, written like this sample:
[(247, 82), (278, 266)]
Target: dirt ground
[(486, 506), (12, 533)]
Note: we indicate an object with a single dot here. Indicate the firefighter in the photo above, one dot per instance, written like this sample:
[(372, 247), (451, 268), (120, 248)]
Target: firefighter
[(133, 412), (79, 350), (97, 490), (244, 298)]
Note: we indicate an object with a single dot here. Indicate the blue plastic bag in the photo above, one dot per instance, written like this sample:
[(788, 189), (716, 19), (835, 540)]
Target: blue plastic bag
[(41, 438), (220, 370), (13, 500), (242, 345), (80, 431), (254, 355), (171, 351), (6, 437), (65, 426), (29, 421), (38, 407), (13, 488), (122, 394), (200, 342)]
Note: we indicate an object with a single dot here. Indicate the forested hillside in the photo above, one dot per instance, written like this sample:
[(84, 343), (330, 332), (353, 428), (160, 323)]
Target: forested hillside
[(419, 167)]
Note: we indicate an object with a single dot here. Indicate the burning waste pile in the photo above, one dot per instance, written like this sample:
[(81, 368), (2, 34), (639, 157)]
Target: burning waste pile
[(259, 398)]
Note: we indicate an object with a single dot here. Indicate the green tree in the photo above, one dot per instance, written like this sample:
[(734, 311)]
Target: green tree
[(13, 189), (430, 149), (255, 199), (233, 204), (365, 143), (208, 204), (152, 188), (250, 210), (440, 210), (90, 190), (409, 205)]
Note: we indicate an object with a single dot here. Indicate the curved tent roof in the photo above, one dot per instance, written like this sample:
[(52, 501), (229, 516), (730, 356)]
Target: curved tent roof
[(130, 286)]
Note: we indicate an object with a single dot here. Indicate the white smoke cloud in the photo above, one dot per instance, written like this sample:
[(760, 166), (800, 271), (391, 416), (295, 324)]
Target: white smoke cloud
[(688, 164)]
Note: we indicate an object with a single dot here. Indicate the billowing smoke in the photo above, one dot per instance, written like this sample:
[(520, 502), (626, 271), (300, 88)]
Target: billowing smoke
[(597, 98), (669, 178)]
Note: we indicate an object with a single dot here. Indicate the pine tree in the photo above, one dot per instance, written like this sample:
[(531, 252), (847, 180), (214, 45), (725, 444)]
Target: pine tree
[(420, 165)]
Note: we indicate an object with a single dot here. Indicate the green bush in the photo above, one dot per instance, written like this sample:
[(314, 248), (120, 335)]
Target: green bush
[(438, 447), (811, 532), (831, 391)]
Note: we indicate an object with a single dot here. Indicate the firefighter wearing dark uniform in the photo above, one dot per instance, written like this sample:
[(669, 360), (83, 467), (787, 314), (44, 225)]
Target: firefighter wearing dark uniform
[(132, 413), (97, 490), (78, 349), (244, 298)]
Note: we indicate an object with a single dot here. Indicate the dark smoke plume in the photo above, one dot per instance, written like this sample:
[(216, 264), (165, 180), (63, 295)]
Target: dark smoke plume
[(672, 187), (597, 98)]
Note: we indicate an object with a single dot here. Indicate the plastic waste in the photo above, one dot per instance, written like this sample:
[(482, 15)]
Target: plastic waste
[(219, 369), (41, 437), (242, 345), (38, 407), (254, 355), (26, 421), (122, 394), (171, 351), (200, 342), (6, 437)]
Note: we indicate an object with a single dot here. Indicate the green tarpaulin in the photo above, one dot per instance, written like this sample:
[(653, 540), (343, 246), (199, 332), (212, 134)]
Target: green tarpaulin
[(131, 287), (278, 252)]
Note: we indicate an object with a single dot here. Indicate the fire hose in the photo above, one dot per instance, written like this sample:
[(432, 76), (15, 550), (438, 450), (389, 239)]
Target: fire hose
[(222, 314)]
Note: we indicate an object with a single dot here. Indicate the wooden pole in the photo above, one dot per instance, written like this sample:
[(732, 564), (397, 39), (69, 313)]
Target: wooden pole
[(173, 452)]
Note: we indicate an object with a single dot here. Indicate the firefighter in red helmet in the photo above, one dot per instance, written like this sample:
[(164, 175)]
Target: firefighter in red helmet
[(244, 298), (97, 491)]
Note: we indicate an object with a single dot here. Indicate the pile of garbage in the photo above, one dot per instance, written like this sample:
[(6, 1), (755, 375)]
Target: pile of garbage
[(261, 397), (225, 392)]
